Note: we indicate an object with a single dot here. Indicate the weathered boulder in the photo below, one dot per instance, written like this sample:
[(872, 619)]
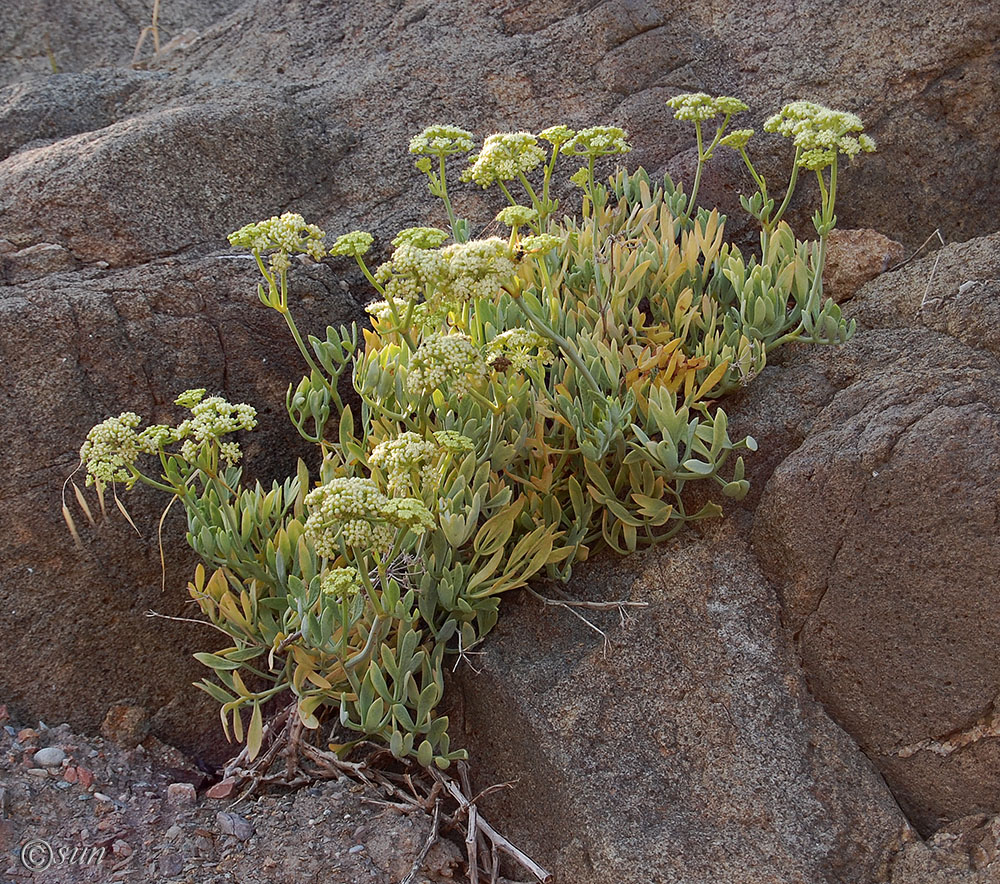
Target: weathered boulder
[(964, 852), (87, 345), (880, 531), (687, 749), (161, 182), (38, 37)]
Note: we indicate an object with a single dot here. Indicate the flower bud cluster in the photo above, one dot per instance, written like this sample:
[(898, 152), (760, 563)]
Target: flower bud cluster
[(288, 234), (517, 216), (598, 141), (211, 419), (557, 135), (453, 442), (445, 360), (477, 269), (441, 141), (353, 244), (447, 277), (700, 106), (503, 156), (737, 139), (542, 242), (518, 348), (341, 583), (820, 133), (411, 272), (407, 461), (111, 450), (420, 237), (356, 510)]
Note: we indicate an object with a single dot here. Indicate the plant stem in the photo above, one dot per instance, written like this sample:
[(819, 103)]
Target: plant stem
[(790, 189), (452, 220), (368, 275), (283, 310), (571, 352)]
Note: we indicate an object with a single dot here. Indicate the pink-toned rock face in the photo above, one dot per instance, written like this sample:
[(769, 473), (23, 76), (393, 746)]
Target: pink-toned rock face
[(691, 742), (855, 257), (879, 531)]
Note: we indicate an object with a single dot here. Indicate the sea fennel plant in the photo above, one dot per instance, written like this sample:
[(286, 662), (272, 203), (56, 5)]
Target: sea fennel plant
[(520, 400)]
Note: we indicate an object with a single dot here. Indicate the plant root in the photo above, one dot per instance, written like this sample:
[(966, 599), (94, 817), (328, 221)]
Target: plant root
[(402, 786)]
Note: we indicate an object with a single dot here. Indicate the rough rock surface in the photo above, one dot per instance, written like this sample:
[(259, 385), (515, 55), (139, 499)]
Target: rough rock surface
[(80, 347), (880, 531), (855, 257), (963, 852), (689, 741)]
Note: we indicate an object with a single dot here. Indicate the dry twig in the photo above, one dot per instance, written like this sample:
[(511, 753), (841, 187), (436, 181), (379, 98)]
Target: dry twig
[(415, 790)]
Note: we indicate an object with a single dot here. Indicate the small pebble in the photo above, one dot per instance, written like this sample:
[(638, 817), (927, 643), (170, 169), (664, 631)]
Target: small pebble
[(169, 864), (121, 848), (233, 824), (70, 775), (174, 833), (357, 848), (100, 796), (222, 790), (182, 794), (37, 772), (62, 784), (85, 777), (51, 756)]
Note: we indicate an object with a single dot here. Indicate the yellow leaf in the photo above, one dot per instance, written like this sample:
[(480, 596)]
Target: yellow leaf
[(714, 377), (255, 733)]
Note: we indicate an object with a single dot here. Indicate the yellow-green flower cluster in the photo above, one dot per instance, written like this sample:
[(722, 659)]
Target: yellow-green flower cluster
[(211, 419), (111, 450), (410, 513), (341, 583), (445, 360), (288, 234), (154, 437), (357, 511), (737, 139), (453, 442), (517, 216), (557, 135), (411, 271), (407, 461), (353, 244), (420, 237), (477, 269), (441, 141), (517, 348), (598, 141), (503, 157), (700, 106), (542, 242), (190, 398), (820, 133)]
